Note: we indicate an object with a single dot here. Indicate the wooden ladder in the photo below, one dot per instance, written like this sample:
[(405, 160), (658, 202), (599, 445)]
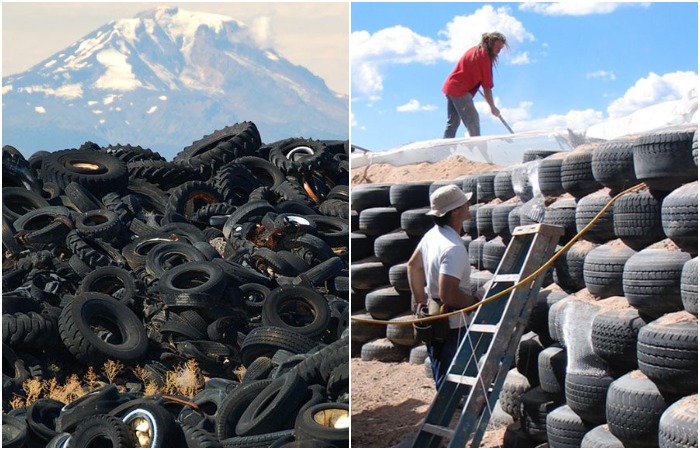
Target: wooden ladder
[(485, 354)]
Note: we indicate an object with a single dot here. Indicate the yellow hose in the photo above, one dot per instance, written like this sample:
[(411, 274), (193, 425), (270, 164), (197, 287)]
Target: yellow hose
[(529, 279)]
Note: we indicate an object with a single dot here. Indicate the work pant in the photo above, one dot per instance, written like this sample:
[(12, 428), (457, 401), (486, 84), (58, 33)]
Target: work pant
[(442, 353), (461, 108)]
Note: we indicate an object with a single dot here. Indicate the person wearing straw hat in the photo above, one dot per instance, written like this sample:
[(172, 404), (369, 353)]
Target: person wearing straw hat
[(474, 69), (438, 273)]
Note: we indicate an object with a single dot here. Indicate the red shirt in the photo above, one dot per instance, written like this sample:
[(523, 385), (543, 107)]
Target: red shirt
[(472, 70)]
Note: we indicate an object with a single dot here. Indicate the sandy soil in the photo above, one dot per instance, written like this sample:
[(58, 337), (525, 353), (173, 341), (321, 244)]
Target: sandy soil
[(447, 169), (389, 401)]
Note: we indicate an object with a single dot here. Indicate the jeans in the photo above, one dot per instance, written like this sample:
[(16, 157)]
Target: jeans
[(442, 353), (461, 108)]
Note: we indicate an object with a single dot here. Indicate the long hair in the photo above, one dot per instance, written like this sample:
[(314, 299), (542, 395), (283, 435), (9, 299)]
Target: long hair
[(487, 41)]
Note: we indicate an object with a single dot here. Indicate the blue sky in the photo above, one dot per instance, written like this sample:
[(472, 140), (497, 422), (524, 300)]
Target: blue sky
[(570, 65)]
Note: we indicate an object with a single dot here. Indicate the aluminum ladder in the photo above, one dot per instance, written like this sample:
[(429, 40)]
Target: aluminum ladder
[(475, 377)]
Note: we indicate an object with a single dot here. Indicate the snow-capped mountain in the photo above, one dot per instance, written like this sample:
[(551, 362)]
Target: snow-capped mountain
[(162, 80)]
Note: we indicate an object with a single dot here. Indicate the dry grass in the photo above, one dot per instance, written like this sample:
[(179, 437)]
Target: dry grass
[(186, 379)]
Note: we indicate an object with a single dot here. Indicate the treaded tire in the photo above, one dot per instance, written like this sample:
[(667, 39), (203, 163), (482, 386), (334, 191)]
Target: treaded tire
[(365, 332), (484, 221), (603, 230), (603, 269), (514, 386), (300, 308), (196, 285), (269, 410), (551, 364), (633, 408), (236, 402), (415, 223), (90, 309), (576, 172), (614, 337), (189, 197), (168, 255), (678, 426), (679, 217), (601, 437), (637, 218), (535, 405), (17, 201), (585, 395), (667, 353), (651, 281), (266, 340), (484, 187), (378, 221), (366, 196), (613, 164), (221, 147), (568, 269), (368, 275), (383, 350), (663, 159), (503, 186), (549, 175), (101, 224), (319, 422), (562, 213), (99, 173), (565, 429), (14, 431), (398, 277), (405, 196), (387, 303), (499, 219), (689, 286), (103, 431), (394, 248), (401, 334)]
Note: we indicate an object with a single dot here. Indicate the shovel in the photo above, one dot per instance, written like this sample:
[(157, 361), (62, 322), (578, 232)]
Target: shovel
[(503, 121)]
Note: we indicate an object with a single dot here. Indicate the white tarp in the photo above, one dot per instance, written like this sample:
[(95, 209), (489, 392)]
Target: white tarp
[(506, 150)]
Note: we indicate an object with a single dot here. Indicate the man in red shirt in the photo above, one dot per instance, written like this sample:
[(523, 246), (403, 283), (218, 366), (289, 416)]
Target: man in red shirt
[(474, 70)]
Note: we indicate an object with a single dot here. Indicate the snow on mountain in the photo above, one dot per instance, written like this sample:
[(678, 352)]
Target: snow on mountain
[(162, 80)]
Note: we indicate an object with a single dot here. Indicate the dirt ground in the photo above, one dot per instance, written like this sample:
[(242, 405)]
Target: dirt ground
[(447, 169), (389, 401)]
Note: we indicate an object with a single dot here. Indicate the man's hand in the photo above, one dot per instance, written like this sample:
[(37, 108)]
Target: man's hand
[(495, 111)]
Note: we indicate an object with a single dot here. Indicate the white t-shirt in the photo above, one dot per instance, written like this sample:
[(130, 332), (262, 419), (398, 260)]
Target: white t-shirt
[(443, 252)]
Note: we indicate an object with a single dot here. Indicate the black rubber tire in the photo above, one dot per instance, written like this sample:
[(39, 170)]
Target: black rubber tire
[(514, 386), (585, 395), (236, 402), (239, 274), (265, 341), (335, 208), (136, 252), (41, 418), (128, 153), (165, 256), (469, 225), (534, 407), (100, 401), (365, 332), (311, 424), (601, 437), (476, 252), (398, 277), (81, 198), (663, 159), (484, 221), (613, 164), (678, 426), (383, 350), (368, 275), (42, 226), (485, 187), (299, 308), (387, 303), (269, 410), (549, 176), (633, 408), (577, 174), (603, 268), (162, 432), (251, 211), (526, 356), (103, 431), (254, 296), (280, 263), (88, 309), (565, 429), (614, 337), (18, 172), (679, 217), (551, 364), (603, 230), (236, 182), (637, 218), (100, 224), (189, 197), (514, 218), (667, 353), (164, 174), (263, 170), (399, 333), (394, 248), (365, 196), (379, 220), (405, 196), (503, 186), (14, 431), (689, 286), (30, 330), (196, 437), (499, 219), (99, 173), (196, 285), (17, 201), (220, 147), (493, 252), (415, 223), (568, 269), (93, 252), (562, 213), (651, 281)]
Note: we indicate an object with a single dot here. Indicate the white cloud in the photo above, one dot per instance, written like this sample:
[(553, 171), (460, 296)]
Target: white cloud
[(371, 54), (354, 124), (654, 89), (261, 31), (414, 106), (40, 109), (574, 8), (604, 74), (574, 119)]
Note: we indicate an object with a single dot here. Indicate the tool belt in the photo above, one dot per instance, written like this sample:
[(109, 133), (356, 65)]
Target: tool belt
[(437, 330)]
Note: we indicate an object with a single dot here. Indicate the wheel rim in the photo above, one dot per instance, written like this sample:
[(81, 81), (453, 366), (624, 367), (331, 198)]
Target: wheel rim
[(333, 418)]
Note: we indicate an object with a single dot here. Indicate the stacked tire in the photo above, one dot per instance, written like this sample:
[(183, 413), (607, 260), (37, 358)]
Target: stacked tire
[(232, 256)]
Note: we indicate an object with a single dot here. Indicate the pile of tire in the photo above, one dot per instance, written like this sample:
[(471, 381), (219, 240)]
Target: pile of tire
[(643, 350), (234, 255)]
